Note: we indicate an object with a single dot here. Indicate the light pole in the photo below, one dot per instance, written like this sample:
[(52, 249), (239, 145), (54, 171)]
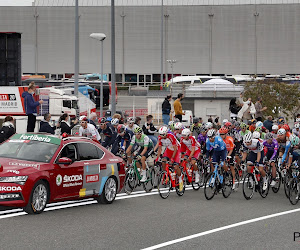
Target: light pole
[(100, 37), (172, 63)]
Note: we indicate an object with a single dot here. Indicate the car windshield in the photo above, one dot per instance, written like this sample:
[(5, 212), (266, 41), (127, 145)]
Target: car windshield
[(28, 150)]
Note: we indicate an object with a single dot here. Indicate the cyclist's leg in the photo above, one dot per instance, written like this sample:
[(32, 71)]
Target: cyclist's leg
[(251, 158)]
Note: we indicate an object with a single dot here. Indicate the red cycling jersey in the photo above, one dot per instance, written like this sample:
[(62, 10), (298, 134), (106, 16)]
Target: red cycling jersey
[(229, 143)]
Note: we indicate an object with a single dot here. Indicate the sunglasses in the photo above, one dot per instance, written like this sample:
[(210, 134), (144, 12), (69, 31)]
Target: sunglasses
[(101, 124)]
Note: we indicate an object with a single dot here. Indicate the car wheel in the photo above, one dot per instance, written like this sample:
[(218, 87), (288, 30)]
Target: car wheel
[(109, 192), (38, 198)]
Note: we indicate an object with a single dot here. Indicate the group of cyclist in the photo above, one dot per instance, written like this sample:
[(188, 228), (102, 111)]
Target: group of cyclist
[(231, 143)]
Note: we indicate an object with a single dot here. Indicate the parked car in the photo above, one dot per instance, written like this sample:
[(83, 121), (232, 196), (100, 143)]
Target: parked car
[(37, 169)]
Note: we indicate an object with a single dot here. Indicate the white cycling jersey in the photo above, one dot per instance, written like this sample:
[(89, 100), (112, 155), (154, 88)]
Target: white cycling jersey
[(255, 146), (90, 131)]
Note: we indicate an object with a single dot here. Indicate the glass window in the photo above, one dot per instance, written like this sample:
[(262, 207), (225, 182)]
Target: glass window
[(156, 77), (28, 150), (87, 151), (196, 81), (100, 153), (130, 77), (67, 104), (119, 78), (141, 78), (69, 151), (148, 78)]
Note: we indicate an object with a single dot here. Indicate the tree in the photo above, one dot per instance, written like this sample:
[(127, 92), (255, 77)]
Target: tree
[(280, 98)]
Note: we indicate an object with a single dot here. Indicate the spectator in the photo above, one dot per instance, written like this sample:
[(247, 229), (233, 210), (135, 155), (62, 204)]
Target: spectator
[(234, 109), (138, 121), (93, 118), (119, 117), (8, 128), (268, 123), (30, 106), (65, 125), (247, 111), (178, 108), (259, 109), (149, 129), (166, 109), (45, 126)]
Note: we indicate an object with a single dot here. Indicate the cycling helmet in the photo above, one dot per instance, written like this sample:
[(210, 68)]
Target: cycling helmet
[(286, 127), (109, 119), (237, 124), (202, 129), (115, 121), (256, 135), (211, 133), (186, 132), (121, 128), (83, 118), (253, 121), (102, 120), (195, 120), (281, 131), (297, 125), (275, 127), (208, 125), (223, 130), (268, 136), (171, 125), (259, 124), (247, 137), (258, 129), (138, 130), (224, 121), (281, 120), (294, 140), (243, 125), (297, 119), (130, 120), (176, 120), (163, 131), (178, 125), (228, 124)]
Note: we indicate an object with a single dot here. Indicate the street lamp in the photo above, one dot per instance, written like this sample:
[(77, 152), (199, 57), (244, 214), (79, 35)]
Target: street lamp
[(100, 37), (172, 63)]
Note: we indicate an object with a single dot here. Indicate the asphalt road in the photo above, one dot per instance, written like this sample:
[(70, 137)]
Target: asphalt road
[(144, 220)]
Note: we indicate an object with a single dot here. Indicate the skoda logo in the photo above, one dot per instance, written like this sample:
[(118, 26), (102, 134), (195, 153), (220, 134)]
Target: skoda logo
[(58, 180)]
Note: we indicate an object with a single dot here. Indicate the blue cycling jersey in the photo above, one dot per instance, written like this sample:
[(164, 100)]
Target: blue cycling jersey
[(286, 147), (217, 145)]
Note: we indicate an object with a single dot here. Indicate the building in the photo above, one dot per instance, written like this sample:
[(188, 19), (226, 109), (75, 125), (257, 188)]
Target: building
[(218, 37)]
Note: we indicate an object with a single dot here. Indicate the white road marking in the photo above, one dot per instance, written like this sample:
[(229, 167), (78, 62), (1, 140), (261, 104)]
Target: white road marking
[(193, 236), (67, 204)]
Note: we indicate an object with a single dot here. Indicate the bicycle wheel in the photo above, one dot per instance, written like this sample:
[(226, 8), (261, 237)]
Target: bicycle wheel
[(263, 193), (164, 185), (195, 185), (294, 191), (227, 184), (157, 171), (237, 178), (130, 182), (278, 178), (248, 186), (287, 181), (180, 193), (210, 186), (202, 174), (148, 184)]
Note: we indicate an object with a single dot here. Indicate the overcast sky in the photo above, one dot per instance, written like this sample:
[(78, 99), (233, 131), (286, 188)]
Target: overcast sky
[(16, 2)]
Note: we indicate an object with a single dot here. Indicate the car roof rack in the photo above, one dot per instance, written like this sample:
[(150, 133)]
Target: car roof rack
[(77, 137)]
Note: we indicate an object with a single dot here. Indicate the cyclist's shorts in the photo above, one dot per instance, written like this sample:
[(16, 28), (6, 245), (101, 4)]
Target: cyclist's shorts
[(251, 158), (169, 153), (237, 148), (232, 158), (281, 149), (269, 155), (219, 156), (196, 154), (139, 150)]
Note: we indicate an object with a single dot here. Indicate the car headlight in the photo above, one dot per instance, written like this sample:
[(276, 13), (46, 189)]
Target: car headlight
[(15, 179)]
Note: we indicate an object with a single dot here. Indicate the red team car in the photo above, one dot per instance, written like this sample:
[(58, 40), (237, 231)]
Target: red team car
[(36, 169)]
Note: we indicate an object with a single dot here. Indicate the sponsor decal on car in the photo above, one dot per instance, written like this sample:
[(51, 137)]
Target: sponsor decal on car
[(13, 171), (113, 160), (92, 178), (69, 180), (10, 189), (34, 137), (21, 164)]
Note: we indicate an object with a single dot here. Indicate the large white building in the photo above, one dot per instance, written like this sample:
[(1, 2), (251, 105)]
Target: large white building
[(204, 36)]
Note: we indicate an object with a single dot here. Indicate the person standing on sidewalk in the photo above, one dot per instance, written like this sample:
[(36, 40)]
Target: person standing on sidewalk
[(166, 109), (178, 108), (30, 106)]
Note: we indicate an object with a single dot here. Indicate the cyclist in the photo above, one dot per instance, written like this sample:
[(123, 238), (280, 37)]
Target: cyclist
[(284, 145), (123, 139), (195, 129), (115, 122), (255, 156), (295, 150), (256, 135), (235, 134), (178, 129), (230, 151), (171, 126), (244, 130), (275, 129), (131, 124), (296, 129), (168, 140), (143, 146), (108, 131), (87, 129), (270, 152), (192, 150), (218, 146)]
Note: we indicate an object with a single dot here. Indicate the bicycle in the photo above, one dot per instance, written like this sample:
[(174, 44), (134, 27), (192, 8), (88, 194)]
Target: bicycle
[(278, 178), (168, 180), (294, 187), (133, 178), (190, 175), (216, 181), (254, 182)]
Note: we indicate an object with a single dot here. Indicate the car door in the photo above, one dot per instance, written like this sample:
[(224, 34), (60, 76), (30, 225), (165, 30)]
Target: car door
[(94, 168), (69, 178)]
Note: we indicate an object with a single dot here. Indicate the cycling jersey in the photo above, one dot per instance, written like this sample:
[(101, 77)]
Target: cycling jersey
[(145, 141), (242, 134), (122, 141), (217, 145), (188, 144), (255, 146), (90, 131), (296, 131), (177, 135), (272, 148), (229, 143), (110, 135), (169, 142), (132, 128)]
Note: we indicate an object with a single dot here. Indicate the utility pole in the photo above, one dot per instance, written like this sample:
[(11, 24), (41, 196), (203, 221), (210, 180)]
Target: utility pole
[(162, 46), (113, 63), (76, 48)]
